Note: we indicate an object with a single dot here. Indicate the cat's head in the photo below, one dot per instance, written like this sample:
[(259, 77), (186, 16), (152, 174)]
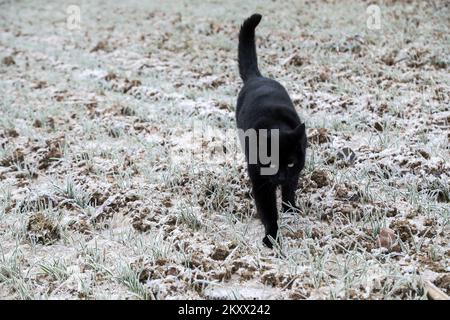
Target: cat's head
[(292, 152)]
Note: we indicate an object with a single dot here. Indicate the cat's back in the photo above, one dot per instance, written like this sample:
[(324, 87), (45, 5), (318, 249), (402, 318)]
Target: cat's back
[(263, 87), (260, 94)]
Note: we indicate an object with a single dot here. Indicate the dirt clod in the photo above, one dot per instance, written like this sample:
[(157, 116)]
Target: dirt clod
[(9, 61), (100, 46), (404, 229), (320, 177), (346, 154), (42, 230), (378, 126), (387, 239), (319, 136), (443, 282), (220, 253)]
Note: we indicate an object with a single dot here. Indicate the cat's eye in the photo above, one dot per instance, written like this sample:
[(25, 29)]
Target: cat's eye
[(290, 165)]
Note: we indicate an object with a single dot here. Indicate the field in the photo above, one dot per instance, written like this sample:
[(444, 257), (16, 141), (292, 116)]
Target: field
[(119, 180)]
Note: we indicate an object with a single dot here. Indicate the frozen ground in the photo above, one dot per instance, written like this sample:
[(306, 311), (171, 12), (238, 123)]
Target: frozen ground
[(103, 190)]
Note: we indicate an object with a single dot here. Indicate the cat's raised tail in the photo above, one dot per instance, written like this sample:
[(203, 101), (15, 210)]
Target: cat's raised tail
[(248, 61)]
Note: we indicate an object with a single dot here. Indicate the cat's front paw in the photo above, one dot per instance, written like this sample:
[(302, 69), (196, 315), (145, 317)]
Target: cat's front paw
[(269, 240)]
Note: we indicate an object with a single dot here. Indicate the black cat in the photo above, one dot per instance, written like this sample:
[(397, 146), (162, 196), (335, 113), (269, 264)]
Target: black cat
[(264, 104)]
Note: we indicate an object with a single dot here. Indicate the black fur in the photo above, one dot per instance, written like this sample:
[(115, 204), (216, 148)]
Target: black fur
[(264, 104)]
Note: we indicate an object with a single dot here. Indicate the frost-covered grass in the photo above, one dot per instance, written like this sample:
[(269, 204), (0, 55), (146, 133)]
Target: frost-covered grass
[(104, 193)]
